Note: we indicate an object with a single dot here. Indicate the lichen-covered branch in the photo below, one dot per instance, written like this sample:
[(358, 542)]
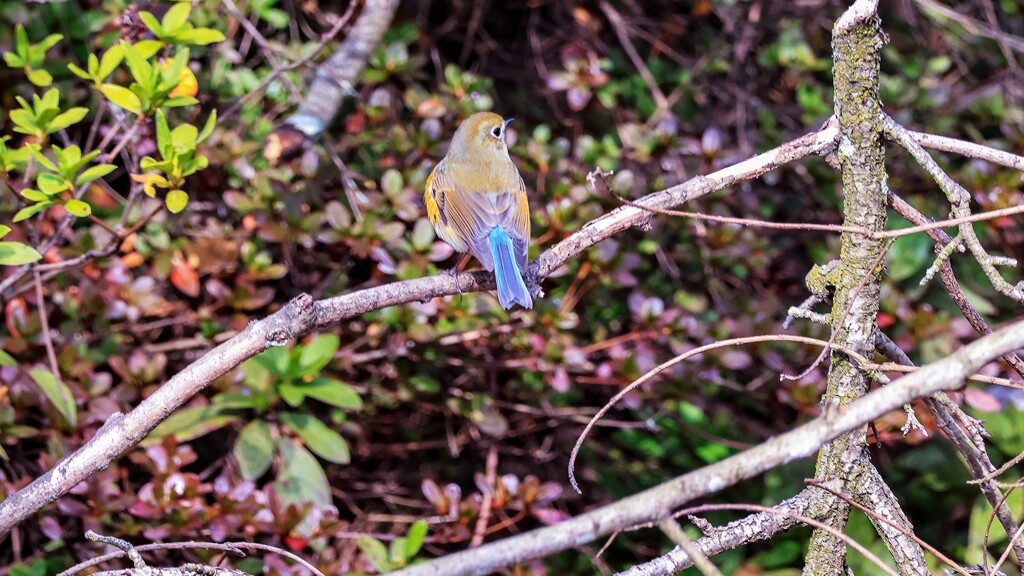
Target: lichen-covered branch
[(856, 45)]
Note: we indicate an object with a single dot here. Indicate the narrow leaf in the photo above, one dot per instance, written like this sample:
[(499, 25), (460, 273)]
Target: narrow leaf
[(58, 394)]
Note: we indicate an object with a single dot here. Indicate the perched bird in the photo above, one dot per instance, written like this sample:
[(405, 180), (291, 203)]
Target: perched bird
[(476, 201)]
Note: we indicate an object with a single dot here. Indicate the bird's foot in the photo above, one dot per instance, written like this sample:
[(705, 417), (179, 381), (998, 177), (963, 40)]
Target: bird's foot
[(454, 273)]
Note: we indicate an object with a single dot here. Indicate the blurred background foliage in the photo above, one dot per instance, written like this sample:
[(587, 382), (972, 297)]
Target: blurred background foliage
[(339, 446)]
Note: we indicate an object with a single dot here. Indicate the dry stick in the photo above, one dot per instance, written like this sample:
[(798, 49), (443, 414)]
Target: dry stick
[(805, 519), (1009, 546), (960, 202), (488, 498), (910, 534), (619, 27), (232, 547), (277, 71), (864, 362), (753, 528), (988, 531), (303, 314), (972, 26), (232, 9), (44, 324), (946, 269), (839, 228), (969, 149), (675, 532), (335, 79)]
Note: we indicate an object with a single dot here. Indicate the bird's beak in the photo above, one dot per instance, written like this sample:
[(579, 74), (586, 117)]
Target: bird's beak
[(509, 121)]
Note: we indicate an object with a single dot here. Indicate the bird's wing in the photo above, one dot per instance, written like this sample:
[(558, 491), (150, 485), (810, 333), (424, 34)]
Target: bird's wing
[(470, 216)]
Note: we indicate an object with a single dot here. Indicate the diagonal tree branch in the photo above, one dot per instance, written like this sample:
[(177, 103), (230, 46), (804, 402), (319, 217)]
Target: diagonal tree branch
[(303, 314)]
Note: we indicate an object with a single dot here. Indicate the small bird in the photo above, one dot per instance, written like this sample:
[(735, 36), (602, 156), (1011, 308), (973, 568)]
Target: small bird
[(477, 202)]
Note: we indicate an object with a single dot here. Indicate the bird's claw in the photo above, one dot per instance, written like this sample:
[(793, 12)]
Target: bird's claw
[(454, 273)]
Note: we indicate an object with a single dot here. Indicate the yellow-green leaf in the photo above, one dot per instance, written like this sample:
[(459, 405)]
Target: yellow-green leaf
[(40, 78), (16, 254), (78, 208), (123, 97), (176, 201)]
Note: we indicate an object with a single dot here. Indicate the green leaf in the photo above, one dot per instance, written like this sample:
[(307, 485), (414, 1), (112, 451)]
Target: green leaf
[(58, 394), (179, 101), (7, 360), (190, 423), (51, 184), (147, 48), (34, 195), (318, 437), (163, 136), (301, 479), (47, 43), (141, 69), (152, 23), (376, 552), (78, 208), (16, 254), (30, 211), (211, 123), (396, 552), (909, 255), (20, 40), (111, 59), (65, 119), (171, 75), (414, 540), (93, 173), (184, 137), (40, 78), (42, 159), (13, 60), (51, 99), (176, 17), (200, 36), (176, 201), (276, 360), (123, 97), (4, 230), (317, 354), (74, 69), (254, 449), (293, 395), (333, 392)]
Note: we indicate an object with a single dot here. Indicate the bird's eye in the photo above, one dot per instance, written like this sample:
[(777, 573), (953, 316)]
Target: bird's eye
[(496, 132)]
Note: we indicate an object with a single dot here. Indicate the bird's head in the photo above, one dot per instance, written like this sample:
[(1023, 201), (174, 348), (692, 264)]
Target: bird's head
[(482, 133)]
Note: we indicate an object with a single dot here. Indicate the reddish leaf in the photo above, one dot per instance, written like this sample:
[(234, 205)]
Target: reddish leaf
[(184, 277)]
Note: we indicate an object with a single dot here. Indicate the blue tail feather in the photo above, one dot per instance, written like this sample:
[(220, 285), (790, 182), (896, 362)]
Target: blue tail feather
[(511, 288)]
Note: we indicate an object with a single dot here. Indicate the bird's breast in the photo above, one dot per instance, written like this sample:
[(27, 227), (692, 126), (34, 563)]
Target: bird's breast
[(485, 177)]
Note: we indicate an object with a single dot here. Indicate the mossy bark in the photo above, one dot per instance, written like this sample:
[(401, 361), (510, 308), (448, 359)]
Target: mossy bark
[(856, 279)]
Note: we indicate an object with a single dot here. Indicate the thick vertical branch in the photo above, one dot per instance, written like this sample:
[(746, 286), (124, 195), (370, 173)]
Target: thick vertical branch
[(335, 81), (856, 45)]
